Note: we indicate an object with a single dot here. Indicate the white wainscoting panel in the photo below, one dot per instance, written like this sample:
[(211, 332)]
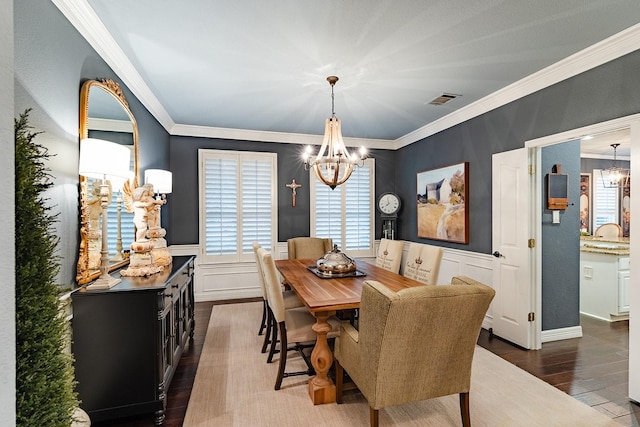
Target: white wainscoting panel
[(230, 281)]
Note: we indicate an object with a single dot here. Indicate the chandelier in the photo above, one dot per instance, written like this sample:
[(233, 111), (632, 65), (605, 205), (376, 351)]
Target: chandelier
[(614, 177), (333, 164)]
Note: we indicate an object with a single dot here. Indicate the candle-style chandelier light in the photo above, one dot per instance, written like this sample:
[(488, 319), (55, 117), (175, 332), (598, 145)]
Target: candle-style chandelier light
[(333, 164), (615, 177)]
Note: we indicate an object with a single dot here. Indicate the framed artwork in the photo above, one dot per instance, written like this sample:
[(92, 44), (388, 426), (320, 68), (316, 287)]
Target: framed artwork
[(585, 203), (441, 203), (625, 209)]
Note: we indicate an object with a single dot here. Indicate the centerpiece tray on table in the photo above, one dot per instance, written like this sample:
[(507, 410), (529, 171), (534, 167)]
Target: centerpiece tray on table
[(335, 264), (330, 275)]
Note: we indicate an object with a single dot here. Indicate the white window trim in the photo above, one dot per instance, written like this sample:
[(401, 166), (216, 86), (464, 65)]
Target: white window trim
[(203, 155), (370, 162)]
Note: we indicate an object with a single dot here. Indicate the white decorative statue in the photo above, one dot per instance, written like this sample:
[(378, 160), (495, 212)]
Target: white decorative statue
[(149, 251)]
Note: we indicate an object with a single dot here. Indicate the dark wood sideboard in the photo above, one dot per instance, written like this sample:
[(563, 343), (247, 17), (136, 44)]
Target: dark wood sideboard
[(127, 341)]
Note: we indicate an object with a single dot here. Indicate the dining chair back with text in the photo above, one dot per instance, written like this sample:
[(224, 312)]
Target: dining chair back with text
[(413, 345), (389, 254), (423, 263)]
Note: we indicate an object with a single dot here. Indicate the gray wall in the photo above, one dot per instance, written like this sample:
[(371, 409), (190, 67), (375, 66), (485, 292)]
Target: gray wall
[(292, 221), (561, 243), (604, 93), (51, 62)]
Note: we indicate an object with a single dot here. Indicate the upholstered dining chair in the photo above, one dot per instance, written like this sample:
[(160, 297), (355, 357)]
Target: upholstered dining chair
[(423, 263), (413, 345), (291, 300), (389, 254), (308, 247), (610, 230), (292, 325)]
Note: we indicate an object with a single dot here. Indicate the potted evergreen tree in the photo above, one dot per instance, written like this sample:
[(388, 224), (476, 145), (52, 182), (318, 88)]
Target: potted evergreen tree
[(44, 371)]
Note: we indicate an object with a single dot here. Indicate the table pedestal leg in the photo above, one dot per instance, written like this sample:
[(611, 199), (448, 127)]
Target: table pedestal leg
[(321, 388)]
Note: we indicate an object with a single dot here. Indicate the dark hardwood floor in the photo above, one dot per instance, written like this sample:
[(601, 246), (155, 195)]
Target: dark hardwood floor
[(593, 369)]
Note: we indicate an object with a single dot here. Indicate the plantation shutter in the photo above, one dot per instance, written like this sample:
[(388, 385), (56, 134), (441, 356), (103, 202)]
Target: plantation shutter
[(345, 214), (238, 204), (605, 202)]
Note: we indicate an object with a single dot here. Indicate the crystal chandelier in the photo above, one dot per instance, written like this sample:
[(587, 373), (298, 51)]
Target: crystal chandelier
[(333, 164), (614, 177)]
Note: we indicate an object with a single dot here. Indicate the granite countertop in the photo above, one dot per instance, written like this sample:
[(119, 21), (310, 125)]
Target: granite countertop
[(606, 249), (620, 240)]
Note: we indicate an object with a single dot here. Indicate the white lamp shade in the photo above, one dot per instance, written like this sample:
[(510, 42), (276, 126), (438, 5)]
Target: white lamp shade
[(160, 179), (100, 159)]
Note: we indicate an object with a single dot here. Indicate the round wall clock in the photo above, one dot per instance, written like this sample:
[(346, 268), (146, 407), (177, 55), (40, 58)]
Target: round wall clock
[(389, 203)]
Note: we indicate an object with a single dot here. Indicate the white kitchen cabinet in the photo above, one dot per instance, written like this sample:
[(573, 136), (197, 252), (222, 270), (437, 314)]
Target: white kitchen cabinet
[(604, 285)]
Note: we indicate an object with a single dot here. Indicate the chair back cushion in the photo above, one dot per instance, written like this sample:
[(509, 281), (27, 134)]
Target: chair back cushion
[(610, 230), (415, 344), (423, 263), (274, 291), (257, 246), (308, 247), (389, 254)]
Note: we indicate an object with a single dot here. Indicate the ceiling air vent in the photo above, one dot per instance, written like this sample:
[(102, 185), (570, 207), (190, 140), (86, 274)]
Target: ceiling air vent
[(443, 99)]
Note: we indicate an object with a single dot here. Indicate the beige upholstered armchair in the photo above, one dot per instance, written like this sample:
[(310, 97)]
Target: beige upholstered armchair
[(308, 247), (413, 345)]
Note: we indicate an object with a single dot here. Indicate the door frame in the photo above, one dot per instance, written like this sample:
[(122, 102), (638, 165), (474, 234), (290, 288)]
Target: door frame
[(535, 146)]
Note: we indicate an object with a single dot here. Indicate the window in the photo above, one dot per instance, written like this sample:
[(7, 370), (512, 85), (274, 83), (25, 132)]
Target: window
[(345, 214), (238, 204), (605, 202)]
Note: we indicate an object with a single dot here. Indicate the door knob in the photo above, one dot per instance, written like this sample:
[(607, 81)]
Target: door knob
[(497, 254)]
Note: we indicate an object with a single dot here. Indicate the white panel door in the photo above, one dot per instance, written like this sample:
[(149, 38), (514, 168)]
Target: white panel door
[(510, 234)]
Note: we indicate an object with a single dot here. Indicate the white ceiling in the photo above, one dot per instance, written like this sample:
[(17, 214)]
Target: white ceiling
[(215, 67)]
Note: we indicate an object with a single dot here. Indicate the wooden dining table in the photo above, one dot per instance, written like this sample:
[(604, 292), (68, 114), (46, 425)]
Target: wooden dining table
[(324, 297)]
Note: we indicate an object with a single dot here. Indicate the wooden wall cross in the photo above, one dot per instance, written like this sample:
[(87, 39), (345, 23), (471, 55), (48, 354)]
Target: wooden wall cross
[(293, 186)]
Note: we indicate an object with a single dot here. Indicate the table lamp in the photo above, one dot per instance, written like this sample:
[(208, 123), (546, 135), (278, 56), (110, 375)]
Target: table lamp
[(117, 184), (160, 179), (104, 160)]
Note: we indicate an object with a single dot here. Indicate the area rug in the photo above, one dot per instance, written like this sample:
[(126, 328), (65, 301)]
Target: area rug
[(234, 387)]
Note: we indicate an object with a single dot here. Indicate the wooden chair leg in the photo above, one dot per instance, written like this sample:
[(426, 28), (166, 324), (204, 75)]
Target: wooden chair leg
[(464, 409), (283, 355), (274, 339), (267, 334), (373, 417), (339, 381), (263, 322)]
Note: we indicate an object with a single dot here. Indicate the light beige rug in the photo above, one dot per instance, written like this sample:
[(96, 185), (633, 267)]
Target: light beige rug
[(234, 387)]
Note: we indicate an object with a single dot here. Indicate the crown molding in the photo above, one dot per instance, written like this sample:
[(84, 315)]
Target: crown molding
[(265, 136), (614, 47), (84, 19)]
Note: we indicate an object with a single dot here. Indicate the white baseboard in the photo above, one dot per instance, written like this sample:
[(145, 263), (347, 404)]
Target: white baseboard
[(561, 334)]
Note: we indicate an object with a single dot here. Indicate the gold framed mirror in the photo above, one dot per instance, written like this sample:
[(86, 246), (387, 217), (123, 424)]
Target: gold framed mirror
[(105, 114)]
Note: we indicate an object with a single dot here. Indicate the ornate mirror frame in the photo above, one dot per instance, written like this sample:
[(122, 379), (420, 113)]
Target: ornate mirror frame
[(112, 90)]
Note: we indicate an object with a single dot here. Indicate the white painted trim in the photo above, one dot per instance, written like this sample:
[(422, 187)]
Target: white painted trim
[(600, 53), (85, 20), (633, 123), (562, 334)]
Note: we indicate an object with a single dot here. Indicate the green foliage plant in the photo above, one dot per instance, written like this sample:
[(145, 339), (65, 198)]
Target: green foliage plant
[(44, 370)]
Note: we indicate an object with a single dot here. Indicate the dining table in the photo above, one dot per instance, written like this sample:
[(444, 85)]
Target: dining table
[(324, 296)]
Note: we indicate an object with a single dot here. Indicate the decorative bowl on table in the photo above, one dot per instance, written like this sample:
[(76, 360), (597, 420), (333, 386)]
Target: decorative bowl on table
[(336, 262)]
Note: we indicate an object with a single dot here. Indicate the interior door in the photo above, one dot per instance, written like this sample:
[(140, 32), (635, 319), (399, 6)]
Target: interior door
[(512, 280)]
